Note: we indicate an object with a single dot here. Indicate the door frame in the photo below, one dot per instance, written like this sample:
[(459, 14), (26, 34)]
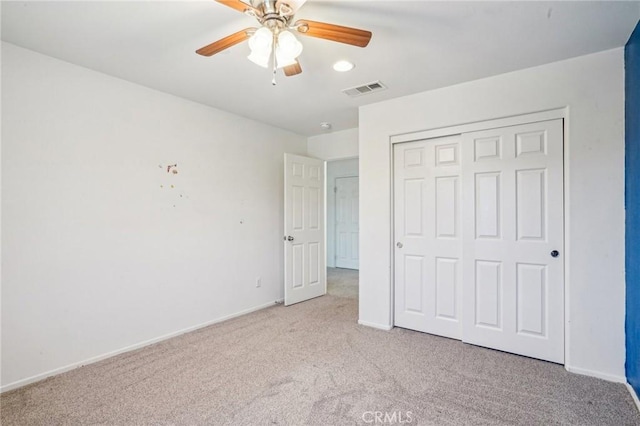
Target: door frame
[(560, 113)]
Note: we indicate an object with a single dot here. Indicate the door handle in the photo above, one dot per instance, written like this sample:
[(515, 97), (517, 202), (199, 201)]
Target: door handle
[(290, 238), (555, 253), (399, 244)]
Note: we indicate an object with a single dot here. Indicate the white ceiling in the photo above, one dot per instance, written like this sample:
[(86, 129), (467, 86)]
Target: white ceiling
[(416, 46)]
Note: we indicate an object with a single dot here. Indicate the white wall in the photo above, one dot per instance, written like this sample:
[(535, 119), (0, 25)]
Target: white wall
[(334, 145), (592, 88), (335, 169), (97, 257)]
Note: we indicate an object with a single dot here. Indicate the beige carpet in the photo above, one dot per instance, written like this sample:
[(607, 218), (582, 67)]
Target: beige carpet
[(342, 282), (312, 364)]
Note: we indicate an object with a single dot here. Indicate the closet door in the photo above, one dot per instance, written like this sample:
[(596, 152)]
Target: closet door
[(513, 239), (427, 232)]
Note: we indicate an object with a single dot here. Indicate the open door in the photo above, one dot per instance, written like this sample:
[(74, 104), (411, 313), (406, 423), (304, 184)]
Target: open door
[(305, 273)]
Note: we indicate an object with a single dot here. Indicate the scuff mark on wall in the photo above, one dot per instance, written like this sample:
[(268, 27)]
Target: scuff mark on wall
[(172, 170)]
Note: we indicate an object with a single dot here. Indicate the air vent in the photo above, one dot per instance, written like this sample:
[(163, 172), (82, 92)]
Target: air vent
[(376, 86)]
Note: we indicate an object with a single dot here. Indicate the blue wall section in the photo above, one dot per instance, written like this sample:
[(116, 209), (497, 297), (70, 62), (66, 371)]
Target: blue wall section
[(632, 200)]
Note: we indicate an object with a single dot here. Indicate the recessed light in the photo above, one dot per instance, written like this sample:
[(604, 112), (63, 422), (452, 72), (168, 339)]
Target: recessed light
[(343, 66), (325, 126)]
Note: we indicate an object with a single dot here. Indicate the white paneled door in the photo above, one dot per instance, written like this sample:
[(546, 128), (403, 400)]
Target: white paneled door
[(513, 244), (480, 227), (347, 222), (428, 236), (304, 240)]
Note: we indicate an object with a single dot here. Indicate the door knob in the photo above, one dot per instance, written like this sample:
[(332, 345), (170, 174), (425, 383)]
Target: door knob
[(399, 244), (289, 238), (555, 253)]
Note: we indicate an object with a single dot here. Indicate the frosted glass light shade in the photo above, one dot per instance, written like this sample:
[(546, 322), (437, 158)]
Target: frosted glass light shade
[(288, 45), (260, 59), (284, 62), (287, 49), (261, 45), (261, 41)]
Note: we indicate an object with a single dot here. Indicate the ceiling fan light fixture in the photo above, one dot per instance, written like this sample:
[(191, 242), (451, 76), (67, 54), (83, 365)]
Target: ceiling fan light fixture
[(261, 41), (284, 61), (261, 45), (288, 45), (259, 59), (287, 49), (271, 43), (343, 66)]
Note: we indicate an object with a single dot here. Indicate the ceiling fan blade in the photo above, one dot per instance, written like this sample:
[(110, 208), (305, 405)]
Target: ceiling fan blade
[(292, 70), (240, 6), (225, 43), (332, 32)]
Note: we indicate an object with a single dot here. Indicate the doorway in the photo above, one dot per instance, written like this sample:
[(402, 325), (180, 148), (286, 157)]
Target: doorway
[(343, 227), (342, 214)]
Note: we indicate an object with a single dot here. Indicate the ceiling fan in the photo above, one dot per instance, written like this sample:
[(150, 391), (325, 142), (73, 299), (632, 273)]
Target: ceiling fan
[(273, 43)]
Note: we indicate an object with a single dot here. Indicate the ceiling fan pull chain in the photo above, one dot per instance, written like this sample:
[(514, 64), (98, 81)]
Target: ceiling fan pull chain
[(273, 53)]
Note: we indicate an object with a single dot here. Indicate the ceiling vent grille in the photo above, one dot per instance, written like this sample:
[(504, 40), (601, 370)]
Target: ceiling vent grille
[(354, 92)]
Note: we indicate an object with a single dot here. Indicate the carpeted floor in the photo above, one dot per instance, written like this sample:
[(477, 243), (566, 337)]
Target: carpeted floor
[(342, 282), (312, 364)]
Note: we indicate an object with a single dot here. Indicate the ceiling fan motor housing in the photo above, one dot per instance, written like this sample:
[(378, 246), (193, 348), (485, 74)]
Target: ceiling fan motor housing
[(275, 15)]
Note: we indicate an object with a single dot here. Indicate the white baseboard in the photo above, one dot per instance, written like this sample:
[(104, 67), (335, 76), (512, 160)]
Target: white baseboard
[(634, 395), (596, 374), (42, 376), (374, 325)]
